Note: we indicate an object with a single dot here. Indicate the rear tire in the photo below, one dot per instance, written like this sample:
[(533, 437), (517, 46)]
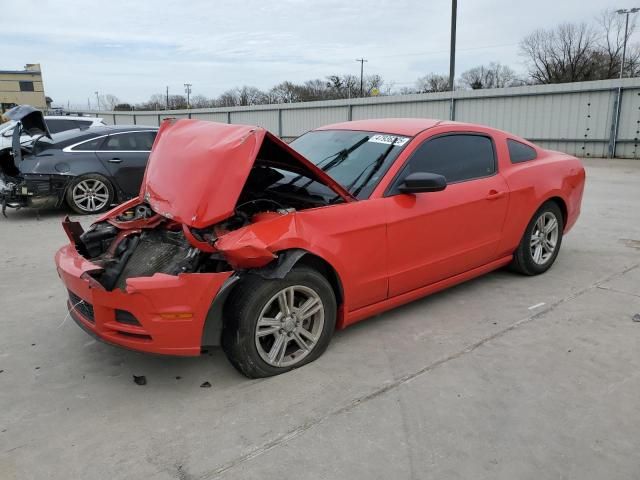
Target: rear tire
[(90, 193), (541, 241), (275, 325)]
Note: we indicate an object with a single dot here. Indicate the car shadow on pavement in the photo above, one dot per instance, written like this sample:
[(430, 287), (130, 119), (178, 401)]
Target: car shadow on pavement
[(161, 372)]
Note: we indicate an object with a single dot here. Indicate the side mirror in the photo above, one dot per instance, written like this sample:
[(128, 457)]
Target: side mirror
[(419, 182)]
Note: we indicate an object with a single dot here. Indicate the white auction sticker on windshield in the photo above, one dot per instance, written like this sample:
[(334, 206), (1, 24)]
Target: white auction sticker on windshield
[(389, 139)]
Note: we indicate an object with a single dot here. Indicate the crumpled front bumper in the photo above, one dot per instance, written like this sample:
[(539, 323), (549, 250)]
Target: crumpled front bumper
[(163, 314), (35, 191)]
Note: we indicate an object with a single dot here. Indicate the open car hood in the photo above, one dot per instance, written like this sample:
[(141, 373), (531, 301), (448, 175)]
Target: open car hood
[(197, 169), (31, 118), (30, 121)]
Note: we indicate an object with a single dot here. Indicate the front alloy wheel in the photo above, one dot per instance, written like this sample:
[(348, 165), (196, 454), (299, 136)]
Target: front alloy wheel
[(275, 325), (289, 326)]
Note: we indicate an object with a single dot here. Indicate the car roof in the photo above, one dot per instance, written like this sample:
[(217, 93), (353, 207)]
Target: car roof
[(68, 137), (72, 117), (98, 130), (396, 126)]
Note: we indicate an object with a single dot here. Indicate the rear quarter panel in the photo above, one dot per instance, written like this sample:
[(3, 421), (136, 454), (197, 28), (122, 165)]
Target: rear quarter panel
[(532, 183)]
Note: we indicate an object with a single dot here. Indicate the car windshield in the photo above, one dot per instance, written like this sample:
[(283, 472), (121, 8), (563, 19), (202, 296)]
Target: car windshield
[(357, 160)]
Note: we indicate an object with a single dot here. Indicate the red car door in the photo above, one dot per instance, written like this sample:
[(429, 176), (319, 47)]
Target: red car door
[(436, 235)]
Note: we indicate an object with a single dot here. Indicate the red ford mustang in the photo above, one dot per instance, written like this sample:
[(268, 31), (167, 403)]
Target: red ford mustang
[(240, 240)]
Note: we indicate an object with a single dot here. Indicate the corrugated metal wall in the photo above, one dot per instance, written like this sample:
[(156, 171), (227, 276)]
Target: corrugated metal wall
[(577, 118)]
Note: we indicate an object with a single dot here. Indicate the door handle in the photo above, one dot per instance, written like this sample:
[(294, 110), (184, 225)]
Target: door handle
[(494, 195), (114, 160)]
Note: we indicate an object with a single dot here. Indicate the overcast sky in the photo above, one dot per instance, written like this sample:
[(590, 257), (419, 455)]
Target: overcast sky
[(133, 49)]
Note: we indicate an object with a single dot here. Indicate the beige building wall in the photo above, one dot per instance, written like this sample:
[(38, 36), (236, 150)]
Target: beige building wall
[(11, 91)]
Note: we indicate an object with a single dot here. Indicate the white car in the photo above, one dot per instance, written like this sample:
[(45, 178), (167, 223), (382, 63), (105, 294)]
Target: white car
[(55, 124)]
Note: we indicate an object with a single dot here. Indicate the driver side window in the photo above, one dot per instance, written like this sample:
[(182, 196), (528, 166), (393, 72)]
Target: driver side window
[(457, 157)]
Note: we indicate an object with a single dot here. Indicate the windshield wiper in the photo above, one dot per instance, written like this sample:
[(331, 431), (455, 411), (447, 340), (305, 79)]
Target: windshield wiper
[(340, 157), (342, 154), (377, 164)]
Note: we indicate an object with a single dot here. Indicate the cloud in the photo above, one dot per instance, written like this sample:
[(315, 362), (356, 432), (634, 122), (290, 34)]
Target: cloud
[(135, 49)]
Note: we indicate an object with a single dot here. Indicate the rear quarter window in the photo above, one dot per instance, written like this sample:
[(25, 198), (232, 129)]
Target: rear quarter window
[(519, 152)]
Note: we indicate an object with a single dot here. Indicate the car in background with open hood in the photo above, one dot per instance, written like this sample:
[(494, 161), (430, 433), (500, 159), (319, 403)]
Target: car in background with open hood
[(55, 124), (240, 240), (87, 169)]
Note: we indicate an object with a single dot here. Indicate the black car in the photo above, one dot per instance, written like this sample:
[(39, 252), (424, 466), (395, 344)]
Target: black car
[(89, 170)]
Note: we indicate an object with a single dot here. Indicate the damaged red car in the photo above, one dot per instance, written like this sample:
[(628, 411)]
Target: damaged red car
[(240, 240)]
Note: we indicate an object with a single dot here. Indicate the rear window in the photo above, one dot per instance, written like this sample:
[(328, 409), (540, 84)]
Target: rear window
[(91, 145), (519, 152), (56, 125)]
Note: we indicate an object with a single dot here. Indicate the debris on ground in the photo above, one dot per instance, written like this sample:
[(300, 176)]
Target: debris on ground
[(178, 377), (205, 385), (140, 380), (636, 317)]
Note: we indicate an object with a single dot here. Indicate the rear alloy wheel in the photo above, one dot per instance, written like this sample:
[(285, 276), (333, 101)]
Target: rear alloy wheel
[(276, 325), (90, 194), (544, 238), (541, 241)]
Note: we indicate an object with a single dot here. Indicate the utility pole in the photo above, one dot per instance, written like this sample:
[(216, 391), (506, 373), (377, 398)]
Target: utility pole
[(361, 60), (167, 97), (187, 89), (452, 55), (97, 101), (625, 11), (616, 121)]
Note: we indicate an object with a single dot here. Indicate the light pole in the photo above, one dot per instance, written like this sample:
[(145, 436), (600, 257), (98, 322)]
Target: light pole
[(187, 90), (625, 11), (361, 60), (452, 56), (97, 101)]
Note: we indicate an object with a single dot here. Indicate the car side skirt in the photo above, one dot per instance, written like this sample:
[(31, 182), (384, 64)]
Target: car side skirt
[(390, 303)]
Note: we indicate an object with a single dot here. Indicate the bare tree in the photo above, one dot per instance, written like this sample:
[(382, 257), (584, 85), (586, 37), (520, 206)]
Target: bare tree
[(177, 102), (200, 101), (285, 92), (373, 83), (109, 101), (611, 40), (407, 91), (433, 82), (242, 96), (494, 75), (562, 54)]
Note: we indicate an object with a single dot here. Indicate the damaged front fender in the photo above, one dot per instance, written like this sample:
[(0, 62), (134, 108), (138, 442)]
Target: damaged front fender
[(255, 245)]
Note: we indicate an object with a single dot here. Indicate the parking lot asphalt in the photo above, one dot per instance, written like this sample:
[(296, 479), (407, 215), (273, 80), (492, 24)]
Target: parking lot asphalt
[(502, 377)]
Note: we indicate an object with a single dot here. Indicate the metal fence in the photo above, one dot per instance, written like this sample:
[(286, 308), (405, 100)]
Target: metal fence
[(588, 119)]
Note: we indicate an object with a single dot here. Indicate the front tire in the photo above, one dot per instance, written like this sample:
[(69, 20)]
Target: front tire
[(91, 193), (276, 325), (541, 241)]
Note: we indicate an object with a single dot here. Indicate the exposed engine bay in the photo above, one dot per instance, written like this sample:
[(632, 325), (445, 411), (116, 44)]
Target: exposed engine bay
[(138, 242)]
